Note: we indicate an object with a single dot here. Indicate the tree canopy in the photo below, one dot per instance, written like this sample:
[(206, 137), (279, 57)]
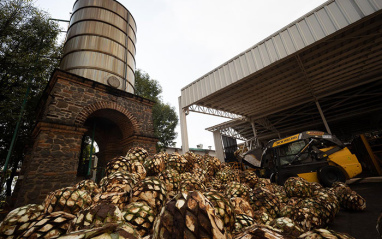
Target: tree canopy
[(147, 87), (165, 118), (28, 54)]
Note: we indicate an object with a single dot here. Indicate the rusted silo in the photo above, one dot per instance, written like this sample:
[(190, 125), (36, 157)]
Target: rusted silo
[(100, 43)]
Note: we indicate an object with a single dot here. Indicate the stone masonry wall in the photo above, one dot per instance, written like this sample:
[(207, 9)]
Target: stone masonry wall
[(67, 103), (73, 101), (53, 161)]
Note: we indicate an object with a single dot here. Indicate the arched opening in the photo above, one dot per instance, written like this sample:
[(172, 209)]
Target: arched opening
[(88, 160), (111, 130)]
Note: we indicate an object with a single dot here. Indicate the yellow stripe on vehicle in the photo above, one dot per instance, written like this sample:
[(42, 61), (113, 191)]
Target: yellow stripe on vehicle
[(286, 140)]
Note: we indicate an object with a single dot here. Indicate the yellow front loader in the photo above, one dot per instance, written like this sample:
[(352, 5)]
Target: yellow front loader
[(314, 155)]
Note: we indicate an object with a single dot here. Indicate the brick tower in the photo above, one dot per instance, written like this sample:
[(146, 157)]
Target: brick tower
[(91, 94), (68, 110)]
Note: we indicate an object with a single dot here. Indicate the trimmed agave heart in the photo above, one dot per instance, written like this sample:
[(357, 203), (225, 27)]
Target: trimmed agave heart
[(189, 215), (19, 220), (70, 200), (141, 216)]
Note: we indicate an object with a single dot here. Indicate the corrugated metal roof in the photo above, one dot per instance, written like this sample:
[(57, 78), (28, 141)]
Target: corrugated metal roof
[(348, 112), (308, 30)]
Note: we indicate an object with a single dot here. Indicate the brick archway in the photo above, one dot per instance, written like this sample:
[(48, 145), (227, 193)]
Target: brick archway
[(90, 109), (68, 109)]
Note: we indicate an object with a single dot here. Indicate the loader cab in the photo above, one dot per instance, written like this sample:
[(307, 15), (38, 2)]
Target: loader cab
[(285, 157), (313, 155)]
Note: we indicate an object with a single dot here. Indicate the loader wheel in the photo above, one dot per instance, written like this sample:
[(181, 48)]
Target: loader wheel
[(329, 175)]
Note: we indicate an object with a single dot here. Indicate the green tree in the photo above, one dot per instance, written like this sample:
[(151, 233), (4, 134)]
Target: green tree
[(165, 118), (147, 87), (28, 54), (83, 165)]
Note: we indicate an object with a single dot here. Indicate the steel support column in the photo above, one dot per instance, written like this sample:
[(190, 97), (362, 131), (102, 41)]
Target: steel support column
[(183, 127), (323, 117), (218, 145), (254, 134)]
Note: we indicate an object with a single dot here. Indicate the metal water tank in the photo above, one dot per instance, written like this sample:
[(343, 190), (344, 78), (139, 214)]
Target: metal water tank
[(100, 43)]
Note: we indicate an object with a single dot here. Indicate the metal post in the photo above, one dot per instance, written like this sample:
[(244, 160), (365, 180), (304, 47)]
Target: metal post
[(323, 117), (254, 134), (58, 20), (21, 114), (183, 127), (371, 154), (14, 137), (16, 130), (91, 150)]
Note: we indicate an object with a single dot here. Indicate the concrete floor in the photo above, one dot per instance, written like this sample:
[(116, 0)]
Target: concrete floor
[(361, 225)]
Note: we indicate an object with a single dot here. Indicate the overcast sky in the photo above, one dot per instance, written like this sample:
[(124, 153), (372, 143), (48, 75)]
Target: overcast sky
[(178, 41)]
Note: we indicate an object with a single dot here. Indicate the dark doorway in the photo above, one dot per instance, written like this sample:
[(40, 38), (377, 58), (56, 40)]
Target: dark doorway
[(111, 131)]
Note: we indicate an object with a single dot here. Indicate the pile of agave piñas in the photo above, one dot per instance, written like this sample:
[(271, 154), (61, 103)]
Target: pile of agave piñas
[(182, 196)]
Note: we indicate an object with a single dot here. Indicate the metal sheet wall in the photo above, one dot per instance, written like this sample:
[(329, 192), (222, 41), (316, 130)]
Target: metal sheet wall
[(101, 43)]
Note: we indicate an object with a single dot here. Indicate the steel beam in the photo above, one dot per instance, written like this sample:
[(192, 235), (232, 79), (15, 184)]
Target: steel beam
[(371, 154), (230, 132), (267, 124), (323, 117), (254, 134), (214, 112), (225, 125)]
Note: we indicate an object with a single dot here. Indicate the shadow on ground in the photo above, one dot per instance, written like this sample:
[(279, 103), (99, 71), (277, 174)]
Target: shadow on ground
[(361, 225)]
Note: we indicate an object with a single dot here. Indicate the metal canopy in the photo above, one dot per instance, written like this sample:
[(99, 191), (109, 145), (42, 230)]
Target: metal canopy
[(332, 55), (349, 112)]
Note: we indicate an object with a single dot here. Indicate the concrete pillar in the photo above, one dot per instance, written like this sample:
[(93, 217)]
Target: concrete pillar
[(218, 145), (183, 127)]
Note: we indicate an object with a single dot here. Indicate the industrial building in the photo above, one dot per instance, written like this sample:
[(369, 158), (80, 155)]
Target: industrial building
[(320, 72)]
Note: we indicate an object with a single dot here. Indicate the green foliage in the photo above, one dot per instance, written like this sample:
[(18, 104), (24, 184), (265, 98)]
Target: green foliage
[(28, 55), (83, 165), (146, 87), (86, 151), (165, 118)]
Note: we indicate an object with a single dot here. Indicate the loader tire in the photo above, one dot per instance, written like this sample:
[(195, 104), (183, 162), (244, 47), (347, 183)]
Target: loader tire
[(330, 174)]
